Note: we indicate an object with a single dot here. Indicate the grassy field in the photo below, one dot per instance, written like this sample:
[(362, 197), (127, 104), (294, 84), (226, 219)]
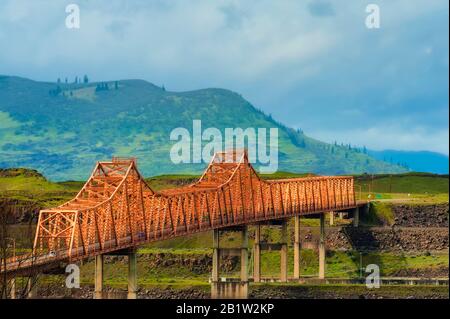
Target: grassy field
[(180, 274), (28, 185), (414, 187)]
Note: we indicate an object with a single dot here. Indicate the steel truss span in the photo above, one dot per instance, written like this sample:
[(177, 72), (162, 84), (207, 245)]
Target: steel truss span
[(116, 209)]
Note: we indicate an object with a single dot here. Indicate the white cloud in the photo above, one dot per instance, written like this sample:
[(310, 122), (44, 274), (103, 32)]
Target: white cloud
[(320, 68)]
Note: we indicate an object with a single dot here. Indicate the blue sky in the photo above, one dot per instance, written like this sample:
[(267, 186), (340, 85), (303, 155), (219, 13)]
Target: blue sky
[(312, 64)]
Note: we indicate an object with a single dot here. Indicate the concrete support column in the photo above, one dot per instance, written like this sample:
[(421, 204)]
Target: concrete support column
[(356, 217), (230, 289), (215, 265), (215, 261), (32, 287), (98, 277), (13, 288), (132, 275), (331, 218), (322, 247), (297, 247), (257, 255), (244, 254), (284, 253)]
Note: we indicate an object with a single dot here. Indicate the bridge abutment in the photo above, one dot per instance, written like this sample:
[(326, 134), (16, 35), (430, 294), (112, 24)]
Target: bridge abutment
[(230, 289)]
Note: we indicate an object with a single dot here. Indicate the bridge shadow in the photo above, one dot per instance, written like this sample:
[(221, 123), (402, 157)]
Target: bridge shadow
[(366, 249)]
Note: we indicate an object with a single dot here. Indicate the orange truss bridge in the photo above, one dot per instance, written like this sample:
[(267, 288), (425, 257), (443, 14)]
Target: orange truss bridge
[(116, 209)]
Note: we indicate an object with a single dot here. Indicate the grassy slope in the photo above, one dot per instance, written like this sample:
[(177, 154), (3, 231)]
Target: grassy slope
[(411, 188), (36, 188), (64, 135), (414, 183)]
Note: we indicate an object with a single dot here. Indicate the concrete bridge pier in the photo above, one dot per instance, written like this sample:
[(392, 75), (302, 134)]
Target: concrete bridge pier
[(244, 255), (356, 217), (13, 288), (10, 290), (132, 274), (98, 277), (282, 246), (230, 289), (257, 255), (331, 218), (297, 247), (32, 288), (322, 247), (284, 252)]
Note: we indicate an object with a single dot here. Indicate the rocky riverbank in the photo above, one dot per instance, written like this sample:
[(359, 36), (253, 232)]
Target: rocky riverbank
[(263, 291), (421, 215)]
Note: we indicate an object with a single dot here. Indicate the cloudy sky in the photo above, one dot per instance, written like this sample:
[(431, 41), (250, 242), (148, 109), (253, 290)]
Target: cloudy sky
[(312, 64)]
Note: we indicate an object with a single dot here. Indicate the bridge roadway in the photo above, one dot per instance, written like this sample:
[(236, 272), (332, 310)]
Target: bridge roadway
[(117, 210)]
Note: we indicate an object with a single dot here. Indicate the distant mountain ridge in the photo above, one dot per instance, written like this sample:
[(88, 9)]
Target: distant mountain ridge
[(417, 161), (61, 129)]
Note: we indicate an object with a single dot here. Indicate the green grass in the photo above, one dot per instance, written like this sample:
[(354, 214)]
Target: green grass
[(410, 188), (380, 213), (339, 265), (36, 189), (177, 275), (410, 183)]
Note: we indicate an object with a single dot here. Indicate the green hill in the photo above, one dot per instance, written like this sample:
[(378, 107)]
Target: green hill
[(62, 129)]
